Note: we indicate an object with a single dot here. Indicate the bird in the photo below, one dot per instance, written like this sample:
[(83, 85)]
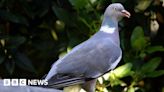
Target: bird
[(92, 58)]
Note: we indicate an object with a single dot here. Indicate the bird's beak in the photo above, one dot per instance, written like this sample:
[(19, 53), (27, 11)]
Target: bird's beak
[(126, 13)]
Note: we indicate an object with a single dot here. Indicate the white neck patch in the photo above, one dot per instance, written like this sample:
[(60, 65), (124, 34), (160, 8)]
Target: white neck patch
[(107, 29)]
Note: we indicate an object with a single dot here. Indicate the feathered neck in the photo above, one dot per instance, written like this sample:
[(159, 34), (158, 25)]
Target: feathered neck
[(109, 25)]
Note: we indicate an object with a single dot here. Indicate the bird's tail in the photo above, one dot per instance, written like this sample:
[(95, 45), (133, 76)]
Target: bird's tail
[(65, 80)]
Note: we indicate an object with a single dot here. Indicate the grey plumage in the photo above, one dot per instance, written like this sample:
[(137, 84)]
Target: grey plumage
[(92, 58)]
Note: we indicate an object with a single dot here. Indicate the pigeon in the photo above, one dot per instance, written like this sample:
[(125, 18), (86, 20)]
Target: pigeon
[(92, 58)]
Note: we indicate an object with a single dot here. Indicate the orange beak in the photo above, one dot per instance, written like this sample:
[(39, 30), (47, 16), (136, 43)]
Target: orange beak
[(126, 13)]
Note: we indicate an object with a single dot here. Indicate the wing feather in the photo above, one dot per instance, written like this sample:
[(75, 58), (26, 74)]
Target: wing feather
[(91, 58)]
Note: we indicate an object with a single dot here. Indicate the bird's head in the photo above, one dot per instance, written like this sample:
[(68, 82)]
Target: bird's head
[(116, 11)]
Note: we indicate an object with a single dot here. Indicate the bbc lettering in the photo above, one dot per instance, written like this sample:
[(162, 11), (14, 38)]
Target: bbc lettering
[(14, 82), (35, 82), (23, 82)]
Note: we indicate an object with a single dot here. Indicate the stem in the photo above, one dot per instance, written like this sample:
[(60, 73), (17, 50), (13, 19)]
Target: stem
[(85, 22)]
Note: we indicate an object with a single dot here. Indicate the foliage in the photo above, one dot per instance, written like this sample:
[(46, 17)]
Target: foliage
[(136, 66), (35, 33)]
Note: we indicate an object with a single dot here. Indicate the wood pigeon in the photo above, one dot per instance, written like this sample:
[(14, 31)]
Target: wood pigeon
[(92, 58)]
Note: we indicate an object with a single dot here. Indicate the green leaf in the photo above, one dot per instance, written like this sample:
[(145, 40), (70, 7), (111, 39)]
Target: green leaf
[(152, 49), (155, 74), (27, 8), (131, 89), (10, 66), (63, 15), (151, 65), (2, 3), (24, 62), (116, 81), (2, 56), (142, 5), (142, 55), (15, 41), (123, 71), (54, 35), (15, 18), (138, 40), (121, 1), (79, 3), (59, 25), (62, 54)]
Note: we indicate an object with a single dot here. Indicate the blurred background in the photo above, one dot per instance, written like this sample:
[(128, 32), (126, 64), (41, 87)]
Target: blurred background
[(35, 33)]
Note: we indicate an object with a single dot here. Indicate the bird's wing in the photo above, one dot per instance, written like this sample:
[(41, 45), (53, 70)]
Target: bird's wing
[(64, 80), (91, 58)]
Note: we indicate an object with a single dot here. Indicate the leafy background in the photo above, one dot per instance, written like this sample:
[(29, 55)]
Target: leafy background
[(35, 33)]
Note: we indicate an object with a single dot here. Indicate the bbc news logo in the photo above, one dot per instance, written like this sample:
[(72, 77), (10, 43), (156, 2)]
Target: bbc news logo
[(24, 82)]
